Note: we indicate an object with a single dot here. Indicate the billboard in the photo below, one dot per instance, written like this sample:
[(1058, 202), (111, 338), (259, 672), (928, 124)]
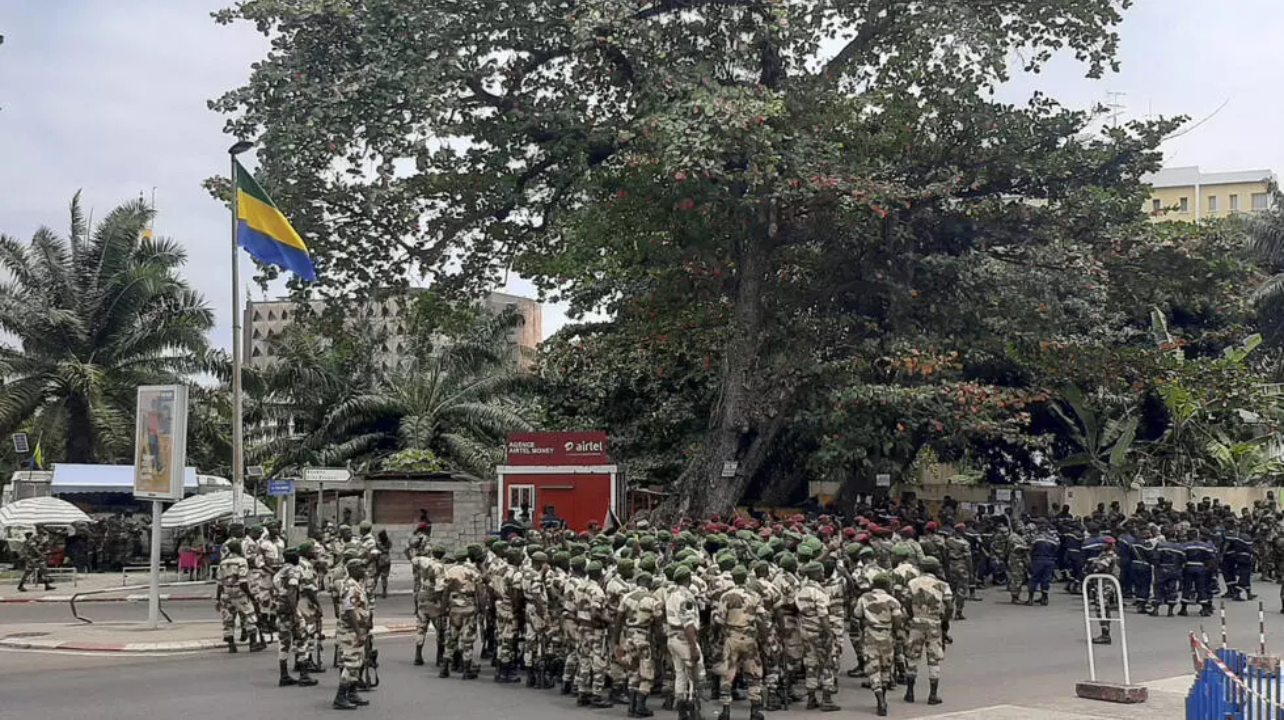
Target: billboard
[(160, 442), (545, 449)]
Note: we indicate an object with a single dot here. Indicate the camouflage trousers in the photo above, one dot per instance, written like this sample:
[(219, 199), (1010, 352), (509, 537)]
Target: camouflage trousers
[(462, 633), (590, 677), (741, 654), (506, 633), (818, 659), (880, 652), (570, 649), (236, 603), (289, 636), (837, 623), (261, 589), (925, 637), (352, 654), (428, 612), (961, 586), (688, 672), (1018, 576), (638, 659), (308, 619), (536, 635)]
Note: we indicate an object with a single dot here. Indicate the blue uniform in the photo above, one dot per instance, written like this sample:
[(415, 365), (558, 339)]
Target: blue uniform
[(1197, 571), (1170, 561), (1072, 542), (1123, 546), (1043, 561), (1142, 570)]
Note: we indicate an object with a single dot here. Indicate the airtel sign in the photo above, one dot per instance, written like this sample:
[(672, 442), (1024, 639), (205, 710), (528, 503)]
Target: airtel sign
[(548, 449)]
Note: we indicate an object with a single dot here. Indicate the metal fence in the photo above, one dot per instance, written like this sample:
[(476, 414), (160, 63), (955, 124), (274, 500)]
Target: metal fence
[(1232, 685)]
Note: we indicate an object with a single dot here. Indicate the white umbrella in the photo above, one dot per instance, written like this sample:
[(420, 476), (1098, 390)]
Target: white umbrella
[(199, 509), (40, 511)]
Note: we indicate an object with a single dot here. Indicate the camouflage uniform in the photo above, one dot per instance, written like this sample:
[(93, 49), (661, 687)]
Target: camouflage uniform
[(308, 612), (569, 595), (499, 580), (773, 603), (640, 611), (427, 570), (460, 587), (352, 631), (881, 616), (1018, 561), (741, 614), (289, 638), (537, 618), (958, 569), (680, 612), (817, 637), (260, 577), (233, 574), (931, 603), (593, 617)]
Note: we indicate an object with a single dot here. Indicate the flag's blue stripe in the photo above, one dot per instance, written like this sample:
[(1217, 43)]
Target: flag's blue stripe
[(270, 251)]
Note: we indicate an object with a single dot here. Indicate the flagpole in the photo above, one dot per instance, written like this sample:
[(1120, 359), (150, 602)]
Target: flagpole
[(238, 441)]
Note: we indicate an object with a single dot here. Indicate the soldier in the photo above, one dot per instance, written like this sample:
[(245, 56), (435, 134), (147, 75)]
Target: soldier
[(817, 636), (233, 597), (370, 553), (881, 616), (958, 568), (791, 642), (1018, 564), (682, 623), (419, 542), (35, 561), (619, 585), (352, 635), (773, 603), (272, 547), (290, 639), (740, 613), (309, 606), (1200, 558), (1171, 558), (640, 615), (464, 592), (427, 568), (594, 618), (570, 621), (930, 609), (1101, 595), (339, 552), (537, 619), (499, 580), (260, 579)]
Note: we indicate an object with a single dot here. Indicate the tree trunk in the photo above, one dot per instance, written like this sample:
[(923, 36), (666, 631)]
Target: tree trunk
[(750, 409), (80, 430)]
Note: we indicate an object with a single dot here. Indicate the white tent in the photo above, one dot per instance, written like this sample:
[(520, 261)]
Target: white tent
[(40, 511), (199, 509)]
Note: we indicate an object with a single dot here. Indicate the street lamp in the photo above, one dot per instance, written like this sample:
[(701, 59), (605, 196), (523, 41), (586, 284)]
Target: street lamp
[(240, 147)]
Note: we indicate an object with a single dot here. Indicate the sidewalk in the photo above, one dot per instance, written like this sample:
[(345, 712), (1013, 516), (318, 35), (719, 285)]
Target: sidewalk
[(1166, 700), (135, 637), (399, 583)]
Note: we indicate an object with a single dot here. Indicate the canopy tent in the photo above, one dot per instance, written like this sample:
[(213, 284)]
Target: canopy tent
[(35, 511), (111, 478), (199, 509)]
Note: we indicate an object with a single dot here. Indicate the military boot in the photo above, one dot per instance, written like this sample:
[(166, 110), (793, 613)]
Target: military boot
[(909, 690), (715, 688), (457, 660), (583, 699), (51, 587), (827, 704), (305, 680), (932, 697), (256, 642), (619, 693), (1016, 598), (880, 696), (231, 644), (441, 648), (341, 701), (419, 654), (773, 701), (1170, 609), (602, 701), (812, 703), (958, 615), (353, 697), (445, 669), (470, 671), (1030, 599), (505, 673), (1043, 598), (640, 710), (726, 713), (668, 702), (755, 712), (532, 676), (566, 687), (1206, 610), (285, 675), (1182, 612)]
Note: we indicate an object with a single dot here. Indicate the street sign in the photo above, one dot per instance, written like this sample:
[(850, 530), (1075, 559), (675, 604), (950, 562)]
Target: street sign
[(20, 443), (730, 468), (326, 474), (254, 471), (883, 480), (280, 487)]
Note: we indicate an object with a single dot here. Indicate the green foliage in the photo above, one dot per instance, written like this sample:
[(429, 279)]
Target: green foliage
[(97, 313), (415, 459)]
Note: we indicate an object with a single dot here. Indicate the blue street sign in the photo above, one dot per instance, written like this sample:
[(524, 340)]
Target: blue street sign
[(280, 487)]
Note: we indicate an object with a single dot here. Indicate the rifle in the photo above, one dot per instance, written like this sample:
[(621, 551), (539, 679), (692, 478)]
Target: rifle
[(370, 665)]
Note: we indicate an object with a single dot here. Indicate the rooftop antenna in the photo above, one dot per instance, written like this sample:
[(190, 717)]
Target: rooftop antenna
[(1114, 106)]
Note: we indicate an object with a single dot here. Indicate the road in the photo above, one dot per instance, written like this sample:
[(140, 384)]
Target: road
[(1002, 654)]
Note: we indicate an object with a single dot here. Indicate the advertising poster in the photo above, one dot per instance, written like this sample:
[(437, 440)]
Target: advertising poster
[(160, 445)]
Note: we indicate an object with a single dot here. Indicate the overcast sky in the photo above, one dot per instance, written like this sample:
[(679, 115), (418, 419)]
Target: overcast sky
[(109, 98)]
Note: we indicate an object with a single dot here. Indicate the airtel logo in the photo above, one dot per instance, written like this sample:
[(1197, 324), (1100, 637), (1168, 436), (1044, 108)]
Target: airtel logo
[(583, 446)]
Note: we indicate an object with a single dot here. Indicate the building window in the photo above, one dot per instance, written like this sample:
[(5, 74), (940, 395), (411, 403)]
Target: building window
[(1234, 202), (1183, 205), (1212, 204), (1261, 201), (1155, 205)]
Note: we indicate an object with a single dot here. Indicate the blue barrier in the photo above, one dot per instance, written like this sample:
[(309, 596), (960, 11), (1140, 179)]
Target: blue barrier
[(1235, 689)]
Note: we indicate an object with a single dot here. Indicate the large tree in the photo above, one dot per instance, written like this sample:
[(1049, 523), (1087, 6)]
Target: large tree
[(95, 314), (794, 177)]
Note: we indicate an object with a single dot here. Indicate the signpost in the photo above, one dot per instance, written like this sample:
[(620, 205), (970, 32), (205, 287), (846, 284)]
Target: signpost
[(326, 474), (730, 468), (160, 455), (20, 444), (280, 487), (882, 480)]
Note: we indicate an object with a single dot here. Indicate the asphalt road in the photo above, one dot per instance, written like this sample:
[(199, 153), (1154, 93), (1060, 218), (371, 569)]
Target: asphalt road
[(184, 611), (1002, 654)]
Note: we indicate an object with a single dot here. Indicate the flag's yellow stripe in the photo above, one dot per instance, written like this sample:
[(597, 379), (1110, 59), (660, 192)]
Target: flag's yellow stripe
[(267, 220)]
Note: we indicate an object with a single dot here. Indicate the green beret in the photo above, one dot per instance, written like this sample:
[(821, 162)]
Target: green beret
[(643, 579), (578, 563), (593, 567), (931, 564), (438, 550), (681, 572), (670, 569), (355, 563), (764, 552), (787, 561), (499, 548), (883, 581), (345, 528), (868, 552), (726, 562), (600, 551), (256, 529), (745, 535), (625, 564), (461, 553), (539, 556), (761, 567), (366, 525), (739, 573), (813, 568), (853, 550), (647, 562), (233, 546), (902, 551), (664, 536), (303, 547)]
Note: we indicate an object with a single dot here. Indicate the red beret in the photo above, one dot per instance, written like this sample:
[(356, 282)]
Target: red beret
[(1109, 540), (849, 532), (716, 517), (908, 529), (422, 525), (765, 534), (932, 526), (863, 537), (960, 527), (827, 530)]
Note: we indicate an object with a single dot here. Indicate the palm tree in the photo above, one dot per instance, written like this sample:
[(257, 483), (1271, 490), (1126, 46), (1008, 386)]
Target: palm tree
[(1266, 241), (95, 314)]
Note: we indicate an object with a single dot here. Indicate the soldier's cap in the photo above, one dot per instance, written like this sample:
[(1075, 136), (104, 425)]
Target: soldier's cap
[(256, 529), (291, 553), (448, 557), (532, 549), (515, 554), (439, 550), (593, 567), (1110, 540), (764, 552), (366, 525), (681, 572), (739, 573), (907, 530), (499, 547), (787, 561), (813, 568), (883, 581), (625, 564), (961, 527), (931, 526), (930, 564), (461, 553), (578, 562), (355, 563), (600, 551), (760, 567), (561, 558), (644, 579), (422, 525), (345, 528), (853, 550), (304, 546), (868, 552), (473, 549), (272, 522), (726, 562), (539, 556), (902, 551)]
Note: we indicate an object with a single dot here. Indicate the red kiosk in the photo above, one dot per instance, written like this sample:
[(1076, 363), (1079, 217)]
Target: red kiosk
[(568, 470)]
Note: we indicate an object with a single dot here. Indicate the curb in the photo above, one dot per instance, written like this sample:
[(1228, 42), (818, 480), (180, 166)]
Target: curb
[(176, 646), (135, 598)]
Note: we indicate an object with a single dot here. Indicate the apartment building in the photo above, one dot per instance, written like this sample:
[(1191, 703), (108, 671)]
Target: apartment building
[(1186, 193)]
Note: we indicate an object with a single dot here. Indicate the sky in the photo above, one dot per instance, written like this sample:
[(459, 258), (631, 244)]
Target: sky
[(109, 98)]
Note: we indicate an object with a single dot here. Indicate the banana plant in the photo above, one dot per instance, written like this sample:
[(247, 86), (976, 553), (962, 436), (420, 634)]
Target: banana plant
[(1103, 446)]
